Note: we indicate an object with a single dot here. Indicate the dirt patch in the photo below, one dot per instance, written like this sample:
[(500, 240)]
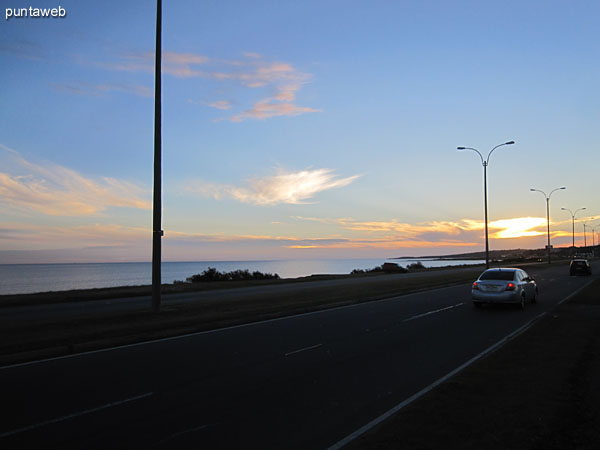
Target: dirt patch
[(539, 391)]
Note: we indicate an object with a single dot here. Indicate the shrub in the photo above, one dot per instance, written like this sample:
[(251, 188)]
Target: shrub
[(416, 266), (212, 274), (393, 268), (359, 271)]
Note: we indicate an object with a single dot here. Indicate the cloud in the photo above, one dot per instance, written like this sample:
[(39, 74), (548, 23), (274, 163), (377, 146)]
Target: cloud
[(407, 229), (266, 109), (81, 88), (518, 227), (220, 104), (286, 82), (56, 190), (174, 63), (389, 243), (22, 49), (284, 187), (281, 80), (465, 232)]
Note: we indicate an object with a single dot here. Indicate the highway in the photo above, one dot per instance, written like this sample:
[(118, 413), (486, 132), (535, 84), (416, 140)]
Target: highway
[(302, 382)]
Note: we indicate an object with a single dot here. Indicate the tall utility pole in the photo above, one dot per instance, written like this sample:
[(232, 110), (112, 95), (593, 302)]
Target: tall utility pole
[(157, 203), (547, 197), (484, 163)]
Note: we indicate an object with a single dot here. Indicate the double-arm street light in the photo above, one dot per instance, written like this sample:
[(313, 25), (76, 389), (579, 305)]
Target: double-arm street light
[(484, 163), (547, 197), (573, 217)]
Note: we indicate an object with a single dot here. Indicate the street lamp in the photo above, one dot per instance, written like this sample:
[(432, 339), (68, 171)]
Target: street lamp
[(484, 163), (594, 237), (547, 197), (573, 217)]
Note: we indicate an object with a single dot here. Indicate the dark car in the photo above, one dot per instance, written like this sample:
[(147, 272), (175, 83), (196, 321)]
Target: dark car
[(580, 267)]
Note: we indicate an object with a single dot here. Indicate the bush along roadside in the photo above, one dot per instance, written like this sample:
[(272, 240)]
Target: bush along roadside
[(212, 274), (391, 268)]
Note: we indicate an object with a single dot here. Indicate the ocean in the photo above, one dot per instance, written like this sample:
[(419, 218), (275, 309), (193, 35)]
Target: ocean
[(30, 278)]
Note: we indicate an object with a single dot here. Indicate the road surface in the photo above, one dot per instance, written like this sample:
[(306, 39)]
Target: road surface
[(297, 383)]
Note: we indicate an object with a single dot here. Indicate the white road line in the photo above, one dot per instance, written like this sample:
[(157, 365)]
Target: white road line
[(74, 415), (303, 349), (432, 312), (181, 433), (338, 445), (432, 386)]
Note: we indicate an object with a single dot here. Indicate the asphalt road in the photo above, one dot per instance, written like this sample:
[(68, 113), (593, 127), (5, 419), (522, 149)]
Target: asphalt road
[(302, 382)]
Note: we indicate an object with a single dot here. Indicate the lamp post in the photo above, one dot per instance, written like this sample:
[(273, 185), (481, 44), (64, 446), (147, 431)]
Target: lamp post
[(157, 192), (573, 217), (547, 197), (484, 163), (584, 235)]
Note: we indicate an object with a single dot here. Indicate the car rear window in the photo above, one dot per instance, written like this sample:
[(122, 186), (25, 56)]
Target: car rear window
[(505, 275)]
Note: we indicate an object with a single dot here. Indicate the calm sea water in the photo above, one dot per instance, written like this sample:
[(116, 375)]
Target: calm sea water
[(28, 278)]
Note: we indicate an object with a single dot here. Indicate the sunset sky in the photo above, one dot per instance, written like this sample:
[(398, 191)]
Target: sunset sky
[(297, 129)]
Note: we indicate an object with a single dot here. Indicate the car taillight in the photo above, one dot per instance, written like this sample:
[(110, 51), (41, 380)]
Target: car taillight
[(510, 287), (475, 287)]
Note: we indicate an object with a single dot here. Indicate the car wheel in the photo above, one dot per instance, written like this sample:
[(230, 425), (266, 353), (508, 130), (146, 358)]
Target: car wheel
[(535, 296), (522, 303)]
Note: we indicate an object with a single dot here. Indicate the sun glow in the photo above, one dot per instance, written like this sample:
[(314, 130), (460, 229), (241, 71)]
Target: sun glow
[(518, 227)]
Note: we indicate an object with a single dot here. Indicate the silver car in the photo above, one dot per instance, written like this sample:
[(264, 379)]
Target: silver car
[(504, 285)]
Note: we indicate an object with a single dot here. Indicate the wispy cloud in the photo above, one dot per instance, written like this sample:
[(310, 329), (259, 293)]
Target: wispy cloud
[(220, 104), (281, 80), (407, 230), (181, 65), (81, 88), (266, 108), (439, 233), (385, 243), (283, 187), (56, 190), (22, 49)]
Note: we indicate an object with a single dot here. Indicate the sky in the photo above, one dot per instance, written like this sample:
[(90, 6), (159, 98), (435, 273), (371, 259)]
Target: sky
[(296, 130)]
